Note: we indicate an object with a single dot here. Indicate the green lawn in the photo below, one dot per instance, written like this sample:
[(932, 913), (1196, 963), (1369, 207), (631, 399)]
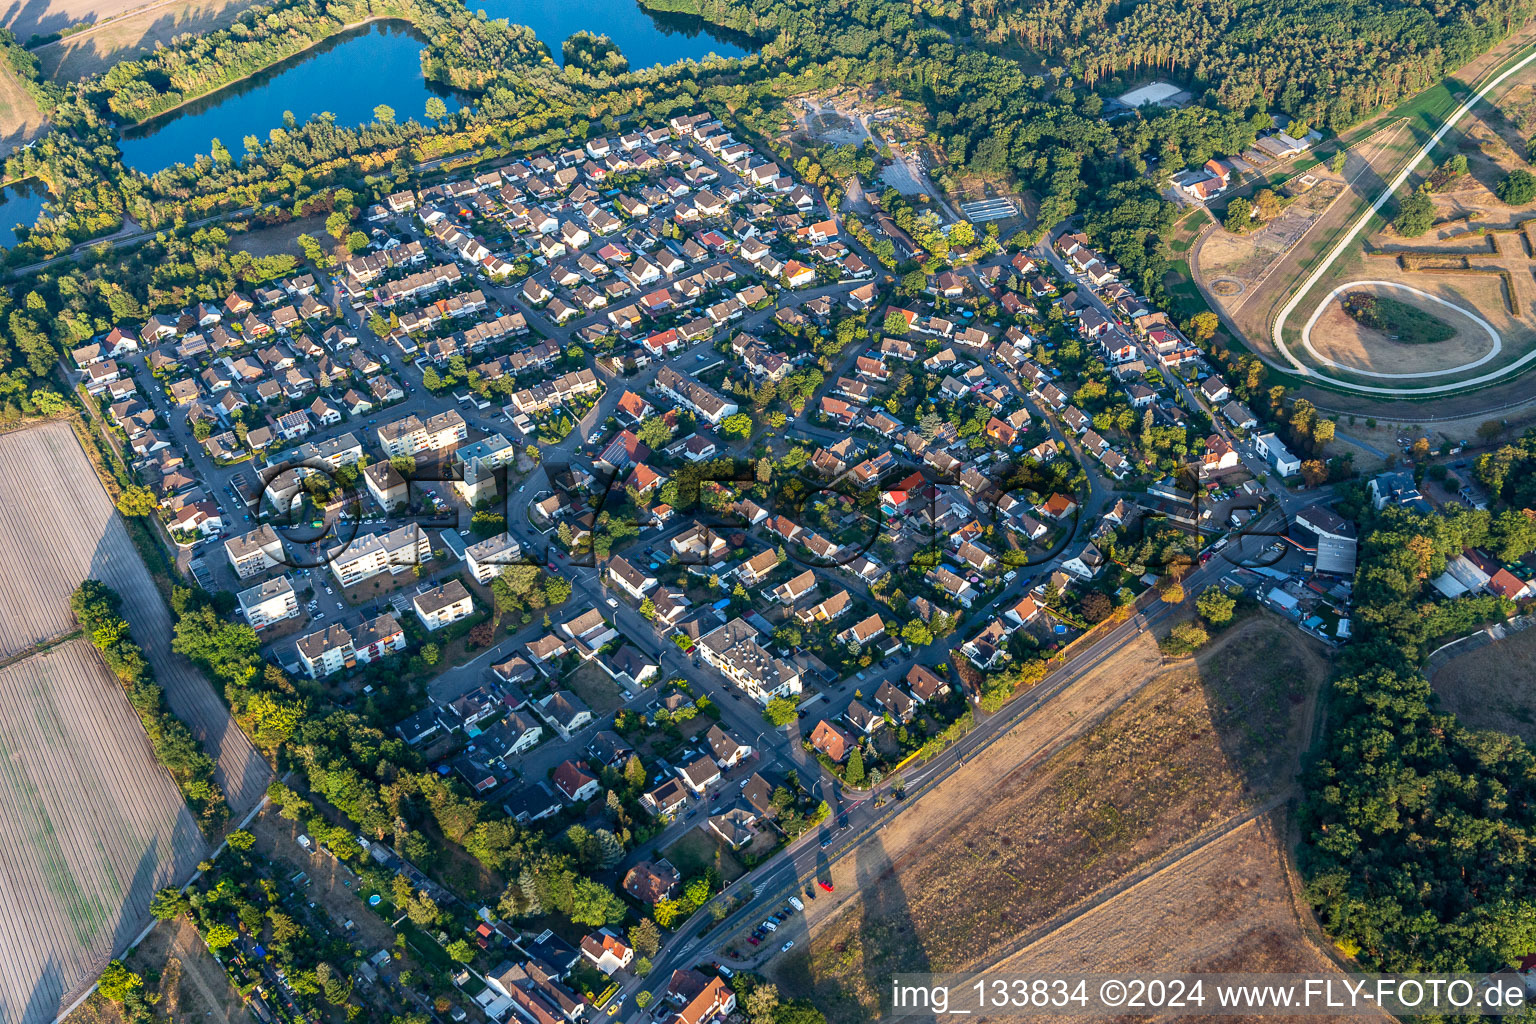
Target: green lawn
[(1407, 324)]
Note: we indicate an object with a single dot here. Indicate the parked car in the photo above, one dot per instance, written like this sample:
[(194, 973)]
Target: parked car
[(787, 946)]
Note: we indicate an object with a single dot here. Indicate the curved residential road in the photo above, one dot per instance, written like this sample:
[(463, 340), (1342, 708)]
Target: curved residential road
[(1358, 226)]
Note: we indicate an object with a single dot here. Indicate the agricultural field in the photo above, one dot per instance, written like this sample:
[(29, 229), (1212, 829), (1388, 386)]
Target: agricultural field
[(57, 527), (90, 827), (1095, 802), (130, 31), (20, 118), (1490, 687)]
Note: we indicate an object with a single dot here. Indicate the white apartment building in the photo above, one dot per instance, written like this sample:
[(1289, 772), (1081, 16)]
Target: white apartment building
[(269, 602), (372, 553)]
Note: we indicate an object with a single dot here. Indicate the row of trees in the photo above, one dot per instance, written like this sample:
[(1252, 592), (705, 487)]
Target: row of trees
[(98, 609)]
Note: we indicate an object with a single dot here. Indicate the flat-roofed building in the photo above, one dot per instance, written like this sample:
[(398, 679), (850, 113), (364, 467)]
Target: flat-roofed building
[(488, 557), (372, 553)]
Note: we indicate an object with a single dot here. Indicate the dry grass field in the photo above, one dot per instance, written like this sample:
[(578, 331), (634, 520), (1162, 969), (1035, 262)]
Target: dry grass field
[(90, 827), (1201, 745), (20, 119), (1228, 906), (192, 985), (1339, 336), (57, 527), (129, 31), (1490, 688)]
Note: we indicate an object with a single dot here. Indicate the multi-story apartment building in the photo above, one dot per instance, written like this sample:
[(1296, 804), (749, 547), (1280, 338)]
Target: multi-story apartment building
[(335, 648), (372, 553), (269, 602), (733, 650), (443, 605), (255, 552)]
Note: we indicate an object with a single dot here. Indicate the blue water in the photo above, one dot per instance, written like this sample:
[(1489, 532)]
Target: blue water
[(347, 75), (644, 37), (350, 74), (20, 204)]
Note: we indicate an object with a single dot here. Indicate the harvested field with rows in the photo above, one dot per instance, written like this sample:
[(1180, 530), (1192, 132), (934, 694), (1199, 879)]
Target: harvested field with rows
[(90, 824), (90, 827), (57, 527)]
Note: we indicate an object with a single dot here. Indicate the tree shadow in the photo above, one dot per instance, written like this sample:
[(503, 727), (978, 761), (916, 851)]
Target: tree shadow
[(885, 942)]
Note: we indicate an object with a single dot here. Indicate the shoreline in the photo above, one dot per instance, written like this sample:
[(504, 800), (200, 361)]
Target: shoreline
[(124, 130)]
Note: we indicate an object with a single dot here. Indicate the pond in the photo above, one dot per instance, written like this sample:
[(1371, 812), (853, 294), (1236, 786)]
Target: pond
[(347, 75), (20, 203), (645, 37), (351, 73)]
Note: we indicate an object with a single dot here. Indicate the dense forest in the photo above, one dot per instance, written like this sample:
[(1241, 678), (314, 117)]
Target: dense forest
[(1420, 835), (1329, 64)]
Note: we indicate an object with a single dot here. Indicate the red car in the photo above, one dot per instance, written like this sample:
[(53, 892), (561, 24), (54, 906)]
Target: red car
[(825, 885)]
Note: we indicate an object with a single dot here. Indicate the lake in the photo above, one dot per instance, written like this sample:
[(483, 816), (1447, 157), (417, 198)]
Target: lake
[(347, 75), (351, 73), (20, 203), (644, 37)]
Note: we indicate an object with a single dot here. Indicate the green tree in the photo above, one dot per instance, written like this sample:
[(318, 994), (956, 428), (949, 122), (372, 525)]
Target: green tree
[(118, 982), (461, 951), (422, 909), (168, 903), (337, 224), (895, 323), (137, 501), (220, 936), (736, 427), (917, 633), (854, 773), (1239, 216), (1216, 605), (430, 653), (594, 904), (1415, 214), (1203, 326), (645, 937), (762, 1003), (436, 108), (384, 114), (780, 711), (654, 432), (1517, 188), (240, 839), (634, 772)]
